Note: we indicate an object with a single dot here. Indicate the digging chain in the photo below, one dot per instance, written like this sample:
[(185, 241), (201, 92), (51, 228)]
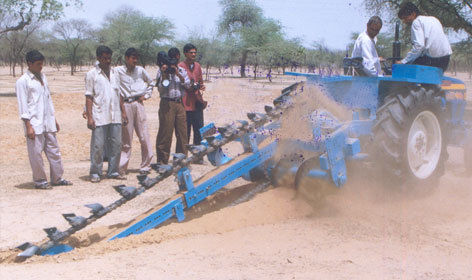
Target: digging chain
[(228, 132)]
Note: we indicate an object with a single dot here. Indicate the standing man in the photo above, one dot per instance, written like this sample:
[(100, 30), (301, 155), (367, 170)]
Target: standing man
[(135, 86), (193, 94), (105, 113), (365, 48), (171, 83), (37, 112), (430, 45)]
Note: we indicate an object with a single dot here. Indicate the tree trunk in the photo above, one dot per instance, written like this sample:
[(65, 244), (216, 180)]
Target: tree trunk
[(13, 66), (243, 63), (207, 71)]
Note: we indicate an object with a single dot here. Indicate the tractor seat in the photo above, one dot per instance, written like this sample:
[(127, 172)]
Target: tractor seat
[(353, 66)]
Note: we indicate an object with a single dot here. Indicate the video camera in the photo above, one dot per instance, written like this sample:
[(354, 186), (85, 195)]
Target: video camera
[(195, 85), (164, 59)]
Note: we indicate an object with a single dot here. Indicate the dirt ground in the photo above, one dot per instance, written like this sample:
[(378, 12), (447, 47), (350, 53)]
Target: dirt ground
[(365, 231)]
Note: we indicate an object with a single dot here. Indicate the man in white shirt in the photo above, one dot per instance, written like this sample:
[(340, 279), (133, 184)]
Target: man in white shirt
[(37, 112), (365, 47), (105, 114), (430, 45), (135, 86)]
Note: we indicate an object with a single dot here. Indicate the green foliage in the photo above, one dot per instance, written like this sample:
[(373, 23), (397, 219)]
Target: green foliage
[(244, 25), (461, 59), (72, 36), (128, 27), (320, 57), (16, 15), (238, 15), (454, 14)]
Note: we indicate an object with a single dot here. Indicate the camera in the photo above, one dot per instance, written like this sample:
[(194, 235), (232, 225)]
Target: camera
[(164, 59), (195, 86)]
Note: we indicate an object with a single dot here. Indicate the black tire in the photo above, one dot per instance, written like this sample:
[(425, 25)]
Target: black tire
[(313, 190), (391, 131)]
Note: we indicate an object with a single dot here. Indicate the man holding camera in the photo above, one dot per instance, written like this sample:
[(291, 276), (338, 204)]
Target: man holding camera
[(193, 99), (172, 81), (135, 86)]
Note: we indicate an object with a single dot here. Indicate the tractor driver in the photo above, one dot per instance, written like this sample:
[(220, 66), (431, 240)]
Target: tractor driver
[(430, 45), (365, 47)]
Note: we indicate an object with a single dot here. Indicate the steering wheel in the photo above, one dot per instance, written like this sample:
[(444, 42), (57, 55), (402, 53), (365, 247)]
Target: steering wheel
[(387, 64)]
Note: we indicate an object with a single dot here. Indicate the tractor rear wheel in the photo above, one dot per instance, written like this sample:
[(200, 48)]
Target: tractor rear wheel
[(409, 137)]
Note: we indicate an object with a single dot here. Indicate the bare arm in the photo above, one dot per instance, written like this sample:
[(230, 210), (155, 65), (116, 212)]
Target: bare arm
[(88, 112), (124, 117), (30, 133)]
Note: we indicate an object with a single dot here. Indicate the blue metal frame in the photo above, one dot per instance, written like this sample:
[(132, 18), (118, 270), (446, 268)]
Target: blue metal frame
[(193, 195)]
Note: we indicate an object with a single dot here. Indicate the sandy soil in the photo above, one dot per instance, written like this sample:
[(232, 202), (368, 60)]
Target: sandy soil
[(365, 231)]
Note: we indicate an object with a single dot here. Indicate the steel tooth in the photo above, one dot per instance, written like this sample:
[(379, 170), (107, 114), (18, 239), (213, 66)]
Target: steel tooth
[(148, 183), (50, 231), (228, 131), (96, 207), (142, 177), (197, 149), (164, 169), (178, 158), (268, 109), (29, 252), (155, 166), (75, 221), (54, 234), (243, 124), (256, 117), (126, 192), (213, 141), (24, 246)]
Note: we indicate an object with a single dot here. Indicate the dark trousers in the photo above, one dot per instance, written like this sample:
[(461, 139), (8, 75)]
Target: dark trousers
[(171, 116), (440, 62), (105, 139), (195, 120)]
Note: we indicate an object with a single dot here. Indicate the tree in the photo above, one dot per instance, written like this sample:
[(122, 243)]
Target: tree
[(128, 27), (284, 53), (238, 18), (16, 15), (461, 58), (260, 38), (454, 14), (73, 34), (16, 46)]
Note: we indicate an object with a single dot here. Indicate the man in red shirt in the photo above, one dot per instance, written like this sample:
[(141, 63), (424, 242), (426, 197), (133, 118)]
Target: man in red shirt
[(193, 95)]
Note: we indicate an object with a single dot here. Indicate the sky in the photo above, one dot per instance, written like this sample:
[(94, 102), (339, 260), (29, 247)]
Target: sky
[(329, 21)]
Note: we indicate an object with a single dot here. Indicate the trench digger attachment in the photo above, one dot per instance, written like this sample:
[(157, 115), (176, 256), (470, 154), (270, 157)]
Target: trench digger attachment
[(408, 128)]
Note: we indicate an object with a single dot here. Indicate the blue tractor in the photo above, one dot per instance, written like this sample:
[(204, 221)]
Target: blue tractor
[(403, 122)]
